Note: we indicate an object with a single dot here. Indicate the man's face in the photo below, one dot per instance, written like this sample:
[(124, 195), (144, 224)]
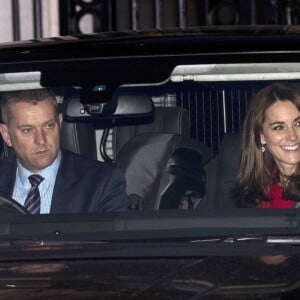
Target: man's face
[(34, 133)]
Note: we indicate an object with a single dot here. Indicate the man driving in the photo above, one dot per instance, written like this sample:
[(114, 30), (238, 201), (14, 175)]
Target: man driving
[(43, 177)]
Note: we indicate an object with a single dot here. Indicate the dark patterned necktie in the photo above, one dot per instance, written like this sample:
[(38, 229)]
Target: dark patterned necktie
[(33, 200)]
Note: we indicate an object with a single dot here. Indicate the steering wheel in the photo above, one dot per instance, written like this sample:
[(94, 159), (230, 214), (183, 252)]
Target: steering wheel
[(11, 207)]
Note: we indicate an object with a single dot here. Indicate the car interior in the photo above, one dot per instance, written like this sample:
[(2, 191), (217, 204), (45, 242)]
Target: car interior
[(174, 168), (177, 142)]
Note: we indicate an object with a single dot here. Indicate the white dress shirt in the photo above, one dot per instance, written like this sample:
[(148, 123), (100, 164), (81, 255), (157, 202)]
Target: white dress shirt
[(22, 185)]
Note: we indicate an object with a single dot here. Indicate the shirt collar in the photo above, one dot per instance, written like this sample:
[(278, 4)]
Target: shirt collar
[(49, 173)]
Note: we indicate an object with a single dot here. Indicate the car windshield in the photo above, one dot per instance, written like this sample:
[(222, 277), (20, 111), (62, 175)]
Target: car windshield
[(146, 138)]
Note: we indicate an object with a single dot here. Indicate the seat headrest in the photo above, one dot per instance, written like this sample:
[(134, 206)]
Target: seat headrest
[(79, 138), (227, 169), (171, 120)]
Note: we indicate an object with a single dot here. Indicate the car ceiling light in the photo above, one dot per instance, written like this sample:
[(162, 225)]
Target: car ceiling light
[(236, 72), (20, 81)]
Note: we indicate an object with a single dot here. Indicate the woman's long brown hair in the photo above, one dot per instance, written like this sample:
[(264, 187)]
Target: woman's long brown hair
[(255, 172)]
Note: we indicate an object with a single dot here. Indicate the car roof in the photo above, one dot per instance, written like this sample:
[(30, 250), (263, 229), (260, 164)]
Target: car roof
[(151, 56), (187, 41)]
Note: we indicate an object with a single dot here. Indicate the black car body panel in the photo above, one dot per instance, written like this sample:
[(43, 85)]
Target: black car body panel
[(46, 274), (234, 254)]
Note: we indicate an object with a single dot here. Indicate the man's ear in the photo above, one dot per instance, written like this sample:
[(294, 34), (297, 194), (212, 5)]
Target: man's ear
[(60, 119), (5, 134)]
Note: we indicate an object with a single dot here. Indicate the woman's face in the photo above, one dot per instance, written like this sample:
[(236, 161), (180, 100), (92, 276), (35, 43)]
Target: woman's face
[(281, 134)]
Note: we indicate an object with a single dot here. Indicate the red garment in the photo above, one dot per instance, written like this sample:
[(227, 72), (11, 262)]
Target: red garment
[(276, 199)]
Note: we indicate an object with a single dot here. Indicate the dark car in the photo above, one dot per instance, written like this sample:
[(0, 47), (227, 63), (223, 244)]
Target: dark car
[(167, 109)]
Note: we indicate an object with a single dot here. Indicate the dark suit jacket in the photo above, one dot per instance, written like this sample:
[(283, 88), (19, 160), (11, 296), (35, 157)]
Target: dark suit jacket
[(81, 185)]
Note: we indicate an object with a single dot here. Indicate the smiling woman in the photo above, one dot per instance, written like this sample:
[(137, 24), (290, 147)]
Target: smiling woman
[(281, 133), (269, 169)]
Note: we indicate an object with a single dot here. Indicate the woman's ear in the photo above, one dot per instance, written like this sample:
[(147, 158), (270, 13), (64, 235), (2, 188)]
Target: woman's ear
[(5, 134), (262, 139)]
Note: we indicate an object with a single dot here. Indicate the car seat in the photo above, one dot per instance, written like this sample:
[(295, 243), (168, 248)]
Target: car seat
[(221, 173), (173, 120), (167, 120), (161, 169), (162, 164)]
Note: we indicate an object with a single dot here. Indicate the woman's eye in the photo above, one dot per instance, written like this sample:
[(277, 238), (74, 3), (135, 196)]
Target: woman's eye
[(278, 127)]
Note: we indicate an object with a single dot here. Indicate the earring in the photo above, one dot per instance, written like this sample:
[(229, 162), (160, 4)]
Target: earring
[(263, 148)]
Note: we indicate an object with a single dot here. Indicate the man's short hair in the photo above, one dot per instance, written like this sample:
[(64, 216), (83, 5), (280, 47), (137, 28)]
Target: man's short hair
[(28, 96)]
